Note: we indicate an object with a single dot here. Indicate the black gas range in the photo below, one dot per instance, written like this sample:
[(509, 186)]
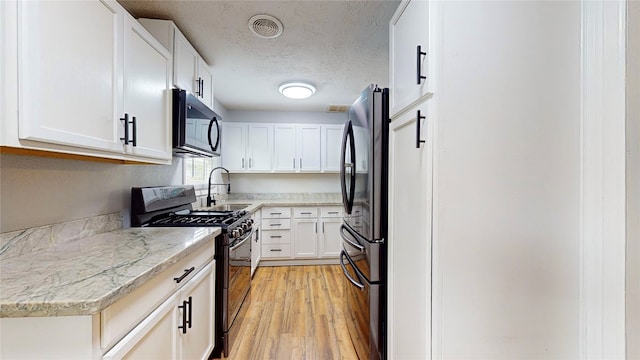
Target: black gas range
[(171, 206)]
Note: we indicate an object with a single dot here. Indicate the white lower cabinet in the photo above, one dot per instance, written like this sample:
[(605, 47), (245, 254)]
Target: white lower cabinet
[(305, 231), (181, 328), (329, 241), (409, 249)]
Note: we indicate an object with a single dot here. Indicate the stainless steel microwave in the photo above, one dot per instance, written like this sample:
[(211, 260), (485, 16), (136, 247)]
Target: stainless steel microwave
[(196, 128)]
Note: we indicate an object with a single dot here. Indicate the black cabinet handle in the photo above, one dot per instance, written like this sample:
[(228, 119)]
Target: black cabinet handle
[(418, 119), (190, 313), (333, 212), (276, 250), (419, 54), (275, 224), (135, 131), (279, 213), (201, 87), (275, 236), (126, 128), (184, 306), (305, 213), (186, 273)]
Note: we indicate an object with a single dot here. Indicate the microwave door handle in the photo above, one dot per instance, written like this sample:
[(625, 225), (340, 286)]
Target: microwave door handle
[(214, 147)]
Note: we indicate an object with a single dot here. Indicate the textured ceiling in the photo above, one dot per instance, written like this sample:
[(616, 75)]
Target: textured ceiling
[(340, 46)]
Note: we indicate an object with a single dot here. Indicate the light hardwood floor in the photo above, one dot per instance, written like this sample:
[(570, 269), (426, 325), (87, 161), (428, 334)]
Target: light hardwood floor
[(296, 312)]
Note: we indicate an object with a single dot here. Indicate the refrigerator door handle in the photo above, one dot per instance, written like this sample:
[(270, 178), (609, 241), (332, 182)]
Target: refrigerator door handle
[(345, 238), (347, 194), (343, 254)]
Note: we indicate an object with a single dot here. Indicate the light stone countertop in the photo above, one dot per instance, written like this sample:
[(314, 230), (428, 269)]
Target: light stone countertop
[(83, 276), (257, 201)]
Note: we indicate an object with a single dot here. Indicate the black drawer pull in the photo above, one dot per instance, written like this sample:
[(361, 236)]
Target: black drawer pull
[(305, 213), (275, 224), (276, 236), (276, 213), (186, 273), (276, 250), (332, 212)]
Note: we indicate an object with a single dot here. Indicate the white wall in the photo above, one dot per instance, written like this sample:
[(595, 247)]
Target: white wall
[(38, 191), (507, 180), (633, 181), (285, 183)]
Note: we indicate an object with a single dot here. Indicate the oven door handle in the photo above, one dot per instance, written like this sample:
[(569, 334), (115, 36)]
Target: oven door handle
[(242, 241), (343, 254), (343, 227)]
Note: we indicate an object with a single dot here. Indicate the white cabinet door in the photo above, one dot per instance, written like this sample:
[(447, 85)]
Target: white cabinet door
[(409, 246), (206, 85), (197, 300), (409, 28), (147, 85), (153, 338), (70, 73), (305, 236), (330, 147), (234, 144), (284, 148), (308, 147), (330, 240), (260, 147), (185, 64), (296, 148)]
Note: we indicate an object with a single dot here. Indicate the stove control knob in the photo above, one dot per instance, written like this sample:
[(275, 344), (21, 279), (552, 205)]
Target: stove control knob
[(250, 222), (236, 233), (246, 226)]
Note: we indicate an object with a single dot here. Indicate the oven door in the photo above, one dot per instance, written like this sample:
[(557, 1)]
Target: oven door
[(239, 276), (364, 311)]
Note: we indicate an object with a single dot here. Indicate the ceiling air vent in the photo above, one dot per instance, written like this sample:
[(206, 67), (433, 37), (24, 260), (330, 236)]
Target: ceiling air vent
[(265, 26), (337, 108)]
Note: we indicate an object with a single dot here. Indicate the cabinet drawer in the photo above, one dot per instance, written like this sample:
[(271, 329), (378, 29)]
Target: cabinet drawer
[(305, 212), (276, 224), (276, 212), (279, 251), (331, 212), (122, 316), (276, 237)]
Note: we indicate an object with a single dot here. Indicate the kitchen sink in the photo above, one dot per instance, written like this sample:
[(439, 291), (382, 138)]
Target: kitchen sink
[(228, 207)]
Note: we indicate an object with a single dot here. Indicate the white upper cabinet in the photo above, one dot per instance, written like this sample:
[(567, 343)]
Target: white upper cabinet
[(79, 69), (247, 147), (190, 71), (409, 55), (296, 148), (147, 86), (331, 145), (70, 73)]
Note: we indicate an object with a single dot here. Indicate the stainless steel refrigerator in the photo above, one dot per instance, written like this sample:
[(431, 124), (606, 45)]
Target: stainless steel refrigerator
[(364, 179)]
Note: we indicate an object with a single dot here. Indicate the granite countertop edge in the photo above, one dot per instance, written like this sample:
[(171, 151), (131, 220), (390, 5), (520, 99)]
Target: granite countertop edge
[(41, 306)]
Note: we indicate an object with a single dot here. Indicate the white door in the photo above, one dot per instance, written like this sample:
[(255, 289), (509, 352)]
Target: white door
[(260, 147), (330, 240), (206, 85), (409, 28), (196, 341), (70, 73), (154, 338), (185, 64), (308, 147), (234, 146), (409, 243), (147, 73), (305, 238), (284, 148), (330, 146)]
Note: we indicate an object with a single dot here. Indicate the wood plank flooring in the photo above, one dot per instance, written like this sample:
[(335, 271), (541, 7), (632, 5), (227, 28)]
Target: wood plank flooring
[(296, 312)]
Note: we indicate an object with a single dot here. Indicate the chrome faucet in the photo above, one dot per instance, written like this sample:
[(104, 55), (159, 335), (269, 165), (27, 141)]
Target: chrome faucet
[(210, 199)]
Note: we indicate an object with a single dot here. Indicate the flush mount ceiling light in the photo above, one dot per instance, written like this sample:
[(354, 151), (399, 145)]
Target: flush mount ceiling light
[(297, 90)]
